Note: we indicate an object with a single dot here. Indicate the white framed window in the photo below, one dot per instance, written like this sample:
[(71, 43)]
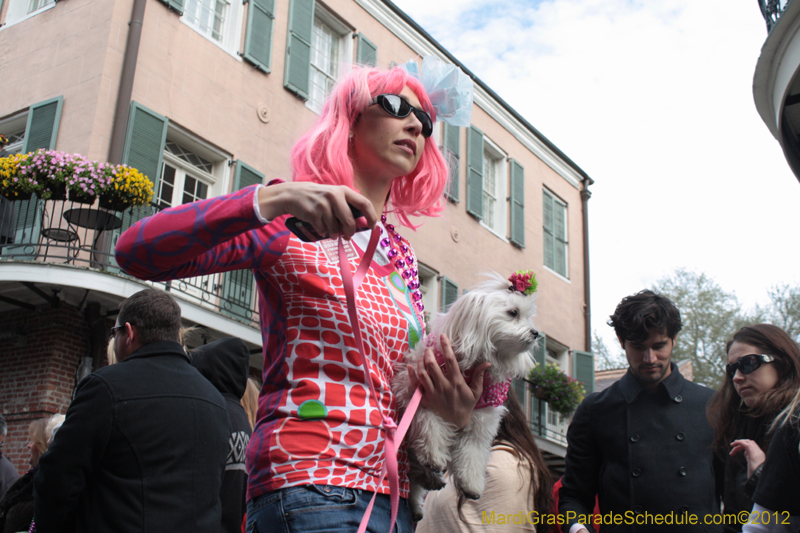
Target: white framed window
[(331, 43), (220, 21), (19, 10), (14, 129), (555, 233), (494, 189), (190, 171)]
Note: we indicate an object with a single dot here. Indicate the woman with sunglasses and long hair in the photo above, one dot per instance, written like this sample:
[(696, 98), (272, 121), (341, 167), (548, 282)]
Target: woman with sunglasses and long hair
[(317, 451), (776, 502), (762, 376)]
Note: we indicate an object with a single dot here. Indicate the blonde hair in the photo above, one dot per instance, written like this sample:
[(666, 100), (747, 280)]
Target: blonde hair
[(111, 355), (38, 435), (250, 401), (41, 431)]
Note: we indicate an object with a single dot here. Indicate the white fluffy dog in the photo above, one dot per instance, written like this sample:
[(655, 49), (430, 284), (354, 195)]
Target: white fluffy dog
[(491, 323)]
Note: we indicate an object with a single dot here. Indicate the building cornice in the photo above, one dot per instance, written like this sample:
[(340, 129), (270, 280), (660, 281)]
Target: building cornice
[(416, 38)]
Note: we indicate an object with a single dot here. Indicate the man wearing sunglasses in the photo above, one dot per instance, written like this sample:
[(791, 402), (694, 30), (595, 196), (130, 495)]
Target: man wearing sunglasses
[(144, 443), (643, 446)]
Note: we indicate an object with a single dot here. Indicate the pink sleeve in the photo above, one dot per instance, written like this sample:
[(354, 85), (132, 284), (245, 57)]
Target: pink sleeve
[(214, 235)]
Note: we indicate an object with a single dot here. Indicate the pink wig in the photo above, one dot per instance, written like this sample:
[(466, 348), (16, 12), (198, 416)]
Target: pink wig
[(321, 154)]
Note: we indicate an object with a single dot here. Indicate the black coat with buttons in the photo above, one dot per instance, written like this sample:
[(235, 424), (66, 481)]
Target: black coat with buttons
[(643, 453)]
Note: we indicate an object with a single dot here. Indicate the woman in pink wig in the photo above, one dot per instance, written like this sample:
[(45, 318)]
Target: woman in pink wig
[(317, 452)]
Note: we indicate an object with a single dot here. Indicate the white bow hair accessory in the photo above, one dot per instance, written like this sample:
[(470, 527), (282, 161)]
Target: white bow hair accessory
[(449, 89)]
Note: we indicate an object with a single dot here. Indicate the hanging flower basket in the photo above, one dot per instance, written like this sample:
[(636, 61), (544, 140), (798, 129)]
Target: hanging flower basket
[(80, 197), (59, 192), (19, 196), (122, 187), (58, 176), (16, 181), (112, 203), (561, 392)]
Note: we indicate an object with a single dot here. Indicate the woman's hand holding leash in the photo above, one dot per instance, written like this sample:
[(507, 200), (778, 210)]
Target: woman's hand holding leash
[(444, 390), (325, 207)]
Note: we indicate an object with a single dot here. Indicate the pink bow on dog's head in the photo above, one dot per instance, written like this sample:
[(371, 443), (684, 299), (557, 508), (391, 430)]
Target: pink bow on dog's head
[(523, 281)]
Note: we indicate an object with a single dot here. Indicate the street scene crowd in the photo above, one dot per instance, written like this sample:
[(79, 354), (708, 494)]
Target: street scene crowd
[(165, 440)]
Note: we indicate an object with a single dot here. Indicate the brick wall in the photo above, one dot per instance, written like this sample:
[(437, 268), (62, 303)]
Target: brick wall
[(37, 379)]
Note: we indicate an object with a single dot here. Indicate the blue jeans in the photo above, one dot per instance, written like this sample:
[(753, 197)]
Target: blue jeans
[(322, 508)]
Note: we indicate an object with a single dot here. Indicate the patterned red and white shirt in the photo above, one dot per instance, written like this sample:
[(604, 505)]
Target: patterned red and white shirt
[(317, 423)]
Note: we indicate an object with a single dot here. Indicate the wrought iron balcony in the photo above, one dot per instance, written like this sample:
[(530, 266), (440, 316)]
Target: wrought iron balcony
[(772, 11), (64, 232), (544, 421)]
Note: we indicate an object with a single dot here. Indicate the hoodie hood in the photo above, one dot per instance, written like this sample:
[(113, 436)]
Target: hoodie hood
[(225, 363)]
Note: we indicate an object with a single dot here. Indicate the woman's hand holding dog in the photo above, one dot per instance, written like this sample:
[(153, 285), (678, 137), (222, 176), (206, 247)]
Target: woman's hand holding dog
[(444, 390)]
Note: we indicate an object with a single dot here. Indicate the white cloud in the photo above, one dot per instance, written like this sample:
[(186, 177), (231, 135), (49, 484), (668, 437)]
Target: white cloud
[(653, 99)]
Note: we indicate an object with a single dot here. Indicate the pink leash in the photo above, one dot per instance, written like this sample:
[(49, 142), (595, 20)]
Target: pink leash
[(394, 433)]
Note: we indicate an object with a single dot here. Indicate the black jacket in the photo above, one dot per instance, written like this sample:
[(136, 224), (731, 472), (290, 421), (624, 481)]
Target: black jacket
[(142, 449), (643, 453), (226, 364), (16, 505)]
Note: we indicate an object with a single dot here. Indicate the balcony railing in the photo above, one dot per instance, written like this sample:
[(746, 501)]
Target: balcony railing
[(772, 11), (65, 232), (544, 422), (547, 423)]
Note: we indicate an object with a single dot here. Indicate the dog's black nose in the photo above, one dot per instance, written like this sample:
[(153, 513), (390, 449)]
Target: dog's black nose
[(535, 334)]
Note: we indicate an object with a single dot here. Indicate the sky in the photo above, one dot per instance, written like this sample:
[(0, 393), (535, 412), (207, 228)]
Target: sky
[(653, 100)]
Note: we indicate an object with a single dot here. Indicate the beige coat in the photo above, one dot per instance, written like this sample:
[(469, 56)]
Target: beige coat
[(507, 495)]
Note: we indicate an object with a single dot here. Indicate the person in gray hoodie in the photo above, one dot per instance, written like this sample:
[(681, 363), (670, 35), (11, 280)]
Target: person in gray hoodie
[(226, 364)]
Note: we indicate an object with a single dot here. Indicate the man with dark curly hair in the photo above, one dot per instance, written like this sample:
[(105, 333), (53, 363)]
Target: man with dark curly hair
[(643, 446)]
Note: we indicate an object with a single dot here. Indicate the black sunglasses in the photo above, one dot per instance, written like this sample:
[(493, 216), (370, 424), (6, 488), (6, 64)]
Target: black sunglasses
[(397, 106), (748, 363), (114, 330)]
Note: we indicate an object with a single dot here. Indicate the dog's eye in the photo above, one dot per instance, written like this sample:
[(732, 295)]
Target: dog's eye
[(513, 313)]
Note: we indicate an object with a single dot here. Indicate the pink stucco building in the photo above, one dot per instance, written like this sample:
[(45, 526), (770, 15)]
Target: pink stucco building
[(205, 97)]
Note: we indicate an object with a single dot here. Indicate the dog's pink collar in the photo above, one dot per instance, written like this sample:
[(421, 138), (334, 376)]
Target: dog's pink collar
[(494, 394)]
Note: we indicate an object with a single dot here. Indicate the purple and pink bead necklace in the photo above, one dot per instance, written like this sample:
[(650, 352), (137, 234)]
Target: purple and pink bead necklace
[(400, 254)]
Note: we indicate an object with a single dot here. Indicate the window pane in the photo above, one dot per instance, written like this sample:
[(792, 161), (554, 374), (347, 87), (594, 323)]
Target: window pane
[(35, 5), (489, 190), (207, 17), (193, 190), (324, 61), (190, 157), (166, 186)]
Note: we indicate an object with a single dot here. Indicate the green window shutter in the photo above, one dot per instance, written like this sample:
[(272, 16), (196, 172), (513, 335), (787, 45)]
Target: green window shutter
[(518, 385), (560, 237), (451, 142), (298, 47), (367, 53), (475, 172), (540, 350), (237, 294), (42, 128), (449, 293), (245, 176), (41, 131), (175, 5), (549, 241), (517, 201), (26, 216), (583, 369), (258, 37), (144, 142), (237, 286)]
